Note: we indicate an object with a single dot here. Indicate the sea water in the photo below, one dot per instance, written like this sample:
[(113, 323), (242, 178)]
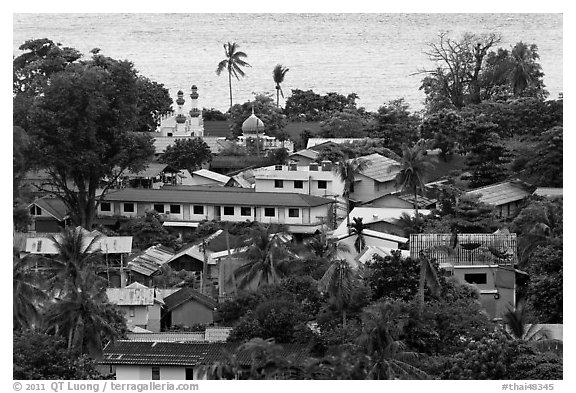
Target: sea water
[(377, 56)]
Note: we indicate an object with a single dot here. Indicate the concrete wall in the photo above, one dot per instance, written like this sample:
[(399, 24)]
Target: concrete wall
[(145, 316), (191, 313), (130, 372)]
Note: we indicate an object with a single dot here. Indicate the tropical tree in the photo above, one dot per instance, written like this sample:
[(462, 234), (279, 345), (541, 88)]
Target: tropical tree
[(412, 169), (428, 274), (233, 64), (266, 253), (346, 170), (525, 70), (279, 73), (338, 283), (357, 229), (187, 154), (27, 294), (382, 324)]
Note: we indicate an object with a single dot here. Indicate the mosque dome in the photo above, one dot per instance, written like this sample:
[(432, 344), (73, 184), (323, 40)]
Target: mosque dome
[(252, 124)]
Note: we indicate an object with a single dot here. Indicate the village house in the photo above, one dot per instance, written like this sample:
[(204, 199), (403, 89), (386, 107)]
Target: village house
[(380, 219), (400, 200), (313, 142), (304, 157), (484, 260), (301, 213), (505, 197), (187, 307), (140, 305), (49, 214), (159, 360), (383, 242), (377, 179)]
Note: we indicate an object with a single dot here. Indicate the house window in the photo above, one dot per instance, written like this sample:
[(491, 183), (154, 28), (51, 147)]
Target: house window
[(105, 206), (132, 311), (322, 184), (129, 207), (155, 373), (298, 184), (198, 209), (174, 209), (159, 207), (278, 183), (269, 212), (189, 373), (228, 210), (475, 278), (35, 211), (295, 213), (245, 211)]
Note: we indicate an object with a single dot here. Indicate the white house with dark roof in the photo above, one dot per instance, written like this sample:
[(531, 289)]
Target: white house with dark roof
[(381, 219), (300, 212), (506, 197)]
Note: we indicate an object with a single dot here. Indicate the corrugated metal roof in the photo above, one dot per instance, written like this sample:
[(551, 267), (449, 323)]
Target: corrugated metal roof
[(147, 262), (167, 337), (185, 354), (311, 154), (213, 188), (109, 245), (210, 197), (370, 251), (318, 141), (212, 175), (549, 192), (376, 234), (501, 193), (152, 169), (380, 168), (244, 183), (131, 296)]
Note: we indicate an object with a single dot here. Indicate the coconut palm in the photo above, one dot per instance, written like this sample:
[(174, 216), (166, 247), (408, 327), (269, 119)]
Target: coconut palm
[(525, 71), (346, 171), (381, 325), (517, 328), (83, 315), (233, 63), (428, 274), (267, 256), (26, 294), (357, 228), (413, 167), (322, 246), (279, 73), (337, 282)]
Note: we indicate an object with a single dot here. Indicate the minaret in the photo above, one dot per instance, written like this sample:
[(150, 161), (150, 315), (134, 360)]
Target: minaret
[(180, 117), (195, 118)]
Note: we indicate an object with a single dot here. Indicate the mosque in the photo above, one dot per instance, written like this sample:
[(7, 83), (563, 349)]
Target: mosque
[(178, 125)]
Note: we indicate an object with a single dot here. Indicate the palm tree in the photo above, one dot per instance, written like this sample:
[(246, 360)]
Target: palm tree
[(337, 282), (413, 167), (428, 274), (232, 63), (26, 294), (325, 247), (357, 228), (267, 255), (525, 71), (381, 324), (279, 73), (83, 315), (517, 328), (346, 171)]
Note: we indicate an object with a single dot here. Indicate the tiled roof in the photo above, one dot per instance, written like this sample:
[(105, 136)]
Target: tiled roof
[(185, 354), (380, 168), (211, 197), (184, 295), (212, 175), (501, 193), (53, 206)]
